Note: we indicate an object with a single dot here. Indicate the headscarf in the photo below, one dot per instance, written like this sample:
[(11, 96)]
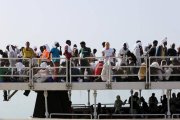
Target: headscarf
[(163, 41), (136, 46), (54, 46), (163, 61), (35, 47), (149, 44), (11, 49), (155, 65), (44, 64), (47, 47), (127, 45)]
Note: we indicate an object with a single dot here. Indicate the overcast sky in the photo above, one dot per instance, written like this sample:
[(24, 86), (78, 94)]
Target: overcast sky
[(93, 21)]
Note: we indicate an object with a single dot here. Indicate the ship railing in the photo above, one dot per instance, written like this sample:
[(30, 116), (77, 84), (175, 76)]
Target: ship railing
[(176, 114), (159, 59), (109, 76), (69, 114), (132, 115)]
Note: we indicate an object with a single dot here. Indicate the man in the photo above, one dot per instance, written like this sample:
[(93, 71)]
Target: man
[(152, 51), (75, 54), (7, 49), (153, 102), (35, 61), (171, 51), (27, 51), (93, 54), (147, 48), (136, 102), (55, 53), (68, 54), (4, 55), (85, 52), (162, 49)]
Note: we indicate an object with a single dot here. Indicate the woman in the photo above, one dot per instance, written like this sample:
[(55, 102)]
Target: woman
[(108, 52), (165, 71), (122, 53)]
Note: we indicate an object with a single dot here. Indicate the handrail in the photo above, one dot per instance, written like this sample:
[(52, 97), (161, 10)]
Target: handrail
[(78, 104), (70, 114), (174, 115), (132, 115)]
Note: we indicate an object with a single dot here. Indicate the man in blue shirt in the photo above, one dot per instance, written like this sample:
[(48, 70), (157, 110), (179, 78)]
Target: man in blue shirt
[(55, 53)]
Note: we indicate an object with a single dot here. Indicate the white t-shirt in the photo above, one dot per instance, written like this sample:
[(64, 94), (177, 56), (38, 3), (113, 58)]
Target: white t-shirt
[(108, 53)]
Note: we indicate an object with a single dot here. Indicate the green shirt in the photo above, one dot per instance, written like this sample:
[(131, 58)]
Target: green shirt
[(2, 72), (85, 52)]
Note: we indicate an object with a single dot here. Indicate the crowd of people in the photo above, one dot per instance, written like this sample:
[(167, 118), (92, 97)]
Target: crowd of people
[(47, 58), (140, 106)]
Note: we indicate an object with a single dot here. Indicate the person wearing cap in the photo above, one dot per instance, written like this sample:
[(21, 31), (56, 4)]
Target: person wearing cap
[(85, 52), (162, 49), (55, 53)]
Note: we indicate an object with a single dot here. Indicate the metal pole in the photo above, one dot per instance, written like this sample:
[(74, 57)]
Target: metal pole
[(140, 95), (46, 105), (131, 101), (168, 104), (95, 112), (66, 72), (149, 86), (88, 97), (70, 95)]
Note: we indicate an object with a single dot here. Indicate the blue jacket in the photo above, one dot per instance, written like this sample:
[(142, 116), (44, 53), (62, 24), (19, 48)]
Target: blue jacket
[(159, 51)]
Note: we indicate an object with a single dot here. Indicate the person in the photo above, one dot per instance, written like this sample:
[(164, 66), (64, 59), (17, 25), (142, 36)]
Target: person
[(55, 53), (131, 61), (42, 74), (7, 49), (118, 104), (152, 51), (114, 59), (136, 102), (165, 70), (28, 52), (147, 48), (20, 55), (98, 70), (145, 108), (35, 61), (162, 49), (142, 72), (93, 54), (4, 71), (153, 104), (137, 52), (122, 53), (68, 54), (40, 53), (75, 54), (103, 45), (108, 52), (12, 54), (45, 55), (85, 52), (171, 51), (164, 104), (122, 71), (4, 55), (173, 103)]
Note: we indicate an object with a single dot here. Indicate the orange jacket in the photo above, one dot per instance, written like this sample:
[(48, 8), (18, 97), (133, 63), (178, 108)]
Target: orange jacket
[(45, 55)]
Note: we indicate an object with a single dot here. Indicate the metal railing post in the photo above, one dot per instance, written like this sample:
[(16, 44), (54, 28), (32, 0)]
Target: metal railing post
[(131, 101), (88, 97), (70, 95), (67, 83), (70, 72), (168, 104), (95, 112), (149, 86), (46, 104)]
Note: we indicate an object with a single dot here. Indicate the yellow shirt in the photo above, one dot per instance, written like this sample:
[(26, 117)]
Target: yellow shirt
[(28, 53)]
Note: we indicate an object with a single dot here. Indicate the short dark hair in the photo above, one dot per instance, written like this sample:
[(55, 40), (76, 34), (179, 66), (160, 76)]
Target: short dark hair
[(138, 41), (155, 41), (82, 43), (103, 44), (67, 41)]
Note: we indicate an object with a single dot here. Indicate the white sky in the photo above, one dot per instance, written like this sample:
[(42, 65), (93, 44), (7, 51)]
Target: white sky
[(93, 21)]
